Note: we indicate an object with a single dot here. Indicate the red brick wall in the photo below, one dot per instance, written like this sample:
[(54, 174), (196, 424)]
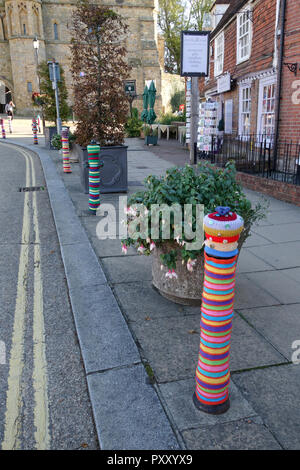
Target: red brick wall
[(283, 191), (289, 125), (264, 15)]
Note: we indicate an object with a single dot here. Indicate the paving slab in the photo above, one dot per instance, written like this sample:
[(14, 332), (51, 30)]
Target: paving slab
[(256, 240), (104, 337), (287, 216), (282, 288), (171, 346), (141, 302), (283, 232), (249, 294), (249, 263), (280, 325), (246, 434), (128, 413), (110, 248), (274, 395), (131, 269), (178, 396), (82, 266), (279, 255), (293, 273)]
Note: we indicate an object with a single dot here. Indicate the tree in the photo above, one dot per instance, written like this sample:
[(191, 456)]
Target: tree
[(176, 16), (47, 96), (99, 67)]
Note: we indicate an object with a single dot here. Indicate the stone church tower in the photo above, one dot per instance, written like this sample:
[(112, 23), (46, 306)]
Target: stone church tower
[(49, 21)]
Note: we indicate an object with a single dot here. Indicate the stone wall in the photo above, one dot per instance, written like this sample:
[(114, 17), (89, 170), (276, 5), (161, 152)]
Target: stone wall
[(17, 55)]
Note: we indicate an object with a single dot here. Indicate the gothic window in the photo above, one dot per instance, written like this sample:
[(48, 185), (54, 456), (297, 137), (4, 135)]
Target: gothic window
[(55, 31), (23, 19), (36, 21)]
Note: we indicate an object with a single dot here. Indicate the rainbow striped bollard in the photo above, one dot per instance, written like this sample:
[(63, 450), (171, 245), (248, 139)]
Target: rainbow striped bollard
[(222, 230), (3, 129), (10, 124), (34, 130), (94, 176), (65, 150)]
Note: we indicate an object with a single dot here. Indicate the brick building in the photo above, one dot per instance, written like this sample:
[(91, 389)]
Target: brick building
[(49, 21), (255, 90)]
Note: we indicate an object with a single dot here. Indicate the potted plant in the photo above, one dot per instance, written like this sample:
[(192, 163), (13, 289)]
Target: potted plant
[(151, 136), (133, 125), (177, 271), (99, 68), (46, 100)]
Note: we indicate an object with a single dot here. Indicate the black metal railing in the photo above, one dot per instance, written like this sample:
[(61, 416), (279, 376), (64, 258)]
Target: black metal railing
[(255, 154)]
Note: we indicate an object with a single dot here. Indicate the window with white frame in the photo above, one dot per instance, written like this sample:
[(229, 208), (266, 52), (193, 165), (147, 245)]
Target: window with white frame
[(245, 110), (244, 35), (219, 54), (266, 107)]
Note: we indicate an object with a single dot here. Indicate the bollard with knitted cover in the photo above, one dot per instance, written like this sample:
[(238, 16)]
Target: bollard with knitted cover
[(3, 129), (65, 150), (222, 229), (94, 176), (34, 131)]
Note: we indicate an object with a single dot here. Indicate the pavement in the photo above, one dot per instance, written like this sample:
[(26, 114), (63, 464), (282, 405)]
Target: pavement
[(127, 331)]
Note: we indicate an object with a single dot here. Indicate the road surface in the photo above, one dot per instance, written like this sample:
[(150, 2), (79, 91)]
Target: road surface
[(44, 402)]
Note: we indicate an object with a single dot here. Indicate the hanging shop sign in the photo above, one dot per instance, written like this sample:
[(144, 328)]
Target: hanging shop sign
[(224, 83), (194, 53)]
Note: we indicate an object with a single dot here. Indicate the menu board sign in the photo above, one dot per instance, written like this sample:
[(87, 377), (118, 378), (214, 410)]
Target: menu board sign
[(194, 53)]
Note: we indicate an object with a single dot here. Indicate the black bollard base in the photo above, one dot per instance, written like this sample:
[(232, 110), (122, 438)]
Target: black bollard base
[(211, 409)]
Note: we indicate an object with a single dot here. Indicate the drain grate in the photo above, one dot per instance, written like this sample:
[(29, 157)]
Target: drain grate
[(143, 168), (31, 189)]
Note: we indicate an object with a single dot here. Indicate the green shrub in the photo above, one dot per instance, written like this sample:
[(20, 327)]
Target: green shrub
[(133, 125), (168, 118), (207, 185), (177, 99)]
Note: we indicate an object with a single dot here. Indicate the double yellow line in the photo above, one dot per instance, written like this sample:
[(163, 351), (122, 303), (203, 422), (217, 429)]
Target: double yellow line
[(13, 424)]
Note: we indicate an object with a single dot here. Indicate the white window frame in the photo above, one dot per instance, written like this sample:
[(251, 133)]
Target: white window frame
[(262, 83), (242, 87), (240, 59), (219, 71)]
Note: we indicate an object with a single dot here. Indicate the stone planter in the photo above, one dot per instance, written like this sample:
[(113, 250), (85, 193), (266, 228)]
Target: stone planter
[(187, 289), (151, 140), (49, 133), (113, 175)]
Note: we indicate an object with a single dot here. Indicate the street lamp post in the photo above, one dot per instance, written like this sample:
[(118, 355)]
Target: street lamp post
[(36, 45)]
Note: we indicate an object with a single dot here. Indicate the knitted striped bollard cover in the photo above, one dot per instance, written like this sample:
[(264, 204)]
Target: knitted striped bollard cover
[(2, 129), (34, 131), (94, 177), (65, 150), (222, 229)]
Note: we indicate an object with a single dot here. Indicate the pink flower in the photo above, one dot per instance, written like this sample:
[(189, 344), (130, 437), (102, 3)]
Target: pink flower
[(152, 246), (124, 249), (190, 265), (171, 274), (141, 249)]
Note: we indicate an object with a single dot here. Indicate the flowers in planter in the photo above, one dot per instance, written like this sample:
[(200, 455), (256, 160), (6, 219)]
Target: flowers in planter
[(204, 185)]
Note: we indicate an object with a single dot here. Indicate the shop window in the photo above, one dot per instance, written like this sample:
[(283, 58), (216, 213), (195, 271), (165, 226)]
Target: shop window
[(245, 110), (266, 107)]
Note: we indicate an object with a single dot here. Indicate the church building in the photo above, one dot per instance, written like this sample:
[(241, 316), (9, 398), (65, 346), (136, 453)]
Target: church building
[(21, 21)]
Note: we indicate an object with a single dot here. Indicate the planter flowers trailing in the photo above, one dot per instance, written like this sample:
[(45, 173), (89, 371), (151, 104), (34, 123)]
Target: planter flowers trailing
[(178, 270)]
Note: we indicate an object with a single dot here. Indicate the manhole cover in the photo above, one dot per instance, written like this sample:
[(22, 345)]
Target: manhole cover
[(31, 189)]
